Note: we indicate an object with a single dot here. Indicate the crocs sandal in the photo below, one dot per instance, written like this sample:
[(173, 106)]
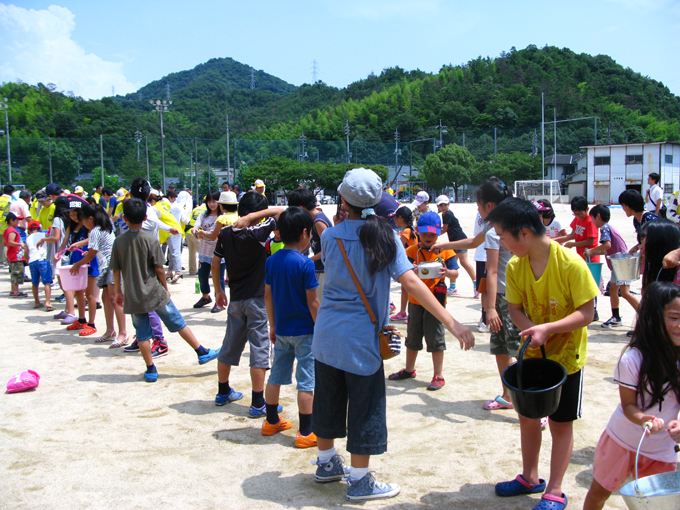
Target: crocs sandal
[(519, 486), (497, 403), (552, 502)]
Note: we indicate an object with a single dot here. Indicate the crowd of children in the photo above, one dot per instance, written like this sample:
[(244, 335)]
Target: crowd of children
[(299, 282)]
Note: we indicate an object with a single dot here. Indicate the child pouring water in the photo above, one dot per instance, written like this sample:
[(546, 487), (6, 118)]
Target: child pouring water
[(648, 375)]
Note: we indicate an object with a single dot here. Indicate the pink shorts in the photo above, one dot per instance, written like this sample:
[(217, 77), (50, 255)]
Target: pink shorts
[(614, 464)]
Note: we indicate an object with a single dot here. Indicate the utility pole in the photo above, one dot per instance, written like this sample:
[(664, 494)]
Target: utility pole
[(209, 185), (138, 139), (349, 154), (228, 169), (101, 156), (301, 147), (442, 130), (146, 143), (160, 107), (494, 143), (49, 155), (555, 136), (397, 153), (542, 138), (4, 104)]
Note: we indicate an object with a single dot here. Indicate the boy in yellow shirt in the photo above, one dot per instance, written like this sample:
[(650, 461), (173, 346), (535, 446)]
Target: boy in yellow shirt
[(421, 322), (550, 294)]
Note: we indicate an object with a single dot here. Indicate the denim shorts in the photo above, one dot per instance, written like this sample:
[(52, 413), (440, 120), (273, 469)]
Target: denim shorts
[(247, 322), (455, 263), (170, 316), (40, 270), (286, 350), (352, 406)]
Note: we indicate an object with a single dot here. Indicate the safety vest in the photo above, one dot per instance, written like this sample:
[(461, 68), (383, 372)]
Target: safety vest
[(46, 216), (34, 209), (166, 217), (4, 209), (196, 213)]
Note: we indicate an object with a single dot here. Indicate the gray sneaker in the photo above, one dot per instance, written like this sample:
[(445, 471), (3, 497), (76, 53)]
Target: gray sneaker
[(369, 488), (332, 471)]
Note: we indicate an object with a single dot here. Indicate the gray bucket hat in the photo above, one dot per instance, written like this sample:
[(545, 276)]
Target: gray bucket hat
[(361, 187)]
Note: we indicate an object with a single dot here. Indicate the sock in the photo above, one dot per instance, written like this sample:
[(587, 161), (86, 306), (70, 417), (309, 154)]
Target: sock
[(151, 369), (615, 313), (326, 455), (82, 321), (356, 474), (273, 413), (201, 350), (474, 284), (305, 424), (484, 316), (91, 325), (258, 399), (223, 388)]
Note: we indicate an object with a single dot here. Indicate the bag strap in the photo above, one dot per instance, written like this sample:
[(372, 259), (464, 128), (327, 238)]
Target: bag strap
[(374, 320)]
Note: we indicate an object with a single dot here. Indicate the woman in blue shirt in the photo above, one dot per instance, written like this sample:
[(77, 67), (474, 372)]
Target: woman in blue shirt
[(349, 393)]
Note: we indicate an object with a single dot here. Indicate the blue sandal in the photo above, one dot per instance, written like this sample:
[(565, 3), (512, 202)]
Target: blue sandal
[(551, 502), (520, 486)]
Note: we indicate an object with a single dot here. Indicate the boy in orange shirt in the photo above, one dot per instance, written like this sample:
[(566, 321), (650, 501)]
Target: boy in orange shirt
[(421, 322)]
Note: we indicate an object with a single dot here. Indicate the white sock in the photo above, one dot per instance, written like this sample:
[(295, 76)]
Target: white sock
[(356, 474), (326, 455)]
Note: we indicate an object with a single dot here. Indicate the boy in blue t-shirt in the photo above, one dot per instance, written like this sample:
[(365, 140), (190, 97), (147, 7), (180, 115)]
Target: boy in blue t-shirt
[(292, 302)]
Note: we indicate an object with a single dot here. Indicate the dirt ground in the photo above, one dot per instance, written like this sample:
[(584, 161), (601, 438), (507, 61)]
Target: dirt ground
[(94, 435)]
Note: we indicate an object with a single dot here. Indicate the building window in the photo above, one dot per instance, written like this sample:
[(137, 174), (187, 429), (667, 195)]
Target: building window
[(602, 160), (669, 159), (668, 188), (634, 159)]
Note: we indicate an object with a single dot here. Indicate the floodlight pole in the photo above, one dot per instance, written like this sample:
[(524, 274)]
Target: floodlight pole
[(4, 104), (542, 138)]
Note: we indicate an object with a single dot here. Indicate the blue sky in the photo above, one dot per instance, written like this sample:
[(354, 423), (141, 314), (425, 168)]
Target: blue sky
[(88, 47)]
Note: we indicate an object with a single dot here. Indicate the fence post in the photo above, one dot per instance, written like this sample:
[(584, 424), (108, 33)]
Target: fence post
[(49, 155)]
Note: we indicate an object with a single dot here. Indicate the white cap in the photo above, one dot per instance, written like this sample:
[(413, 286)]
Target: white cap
[(442, 199), (421, 198)]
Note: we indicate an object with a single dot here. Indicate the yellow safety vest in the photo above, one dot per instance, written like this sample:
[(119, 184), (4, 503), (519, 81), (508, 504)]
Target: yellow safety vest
[(166, 217), (4, 209)]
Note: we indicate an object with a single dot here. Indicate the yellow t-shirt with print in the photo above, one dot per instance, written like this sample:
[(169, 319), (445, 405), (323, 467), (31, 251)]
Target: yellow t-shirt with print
[(228, 218), (45, 216), (34, 209), (565, 285)]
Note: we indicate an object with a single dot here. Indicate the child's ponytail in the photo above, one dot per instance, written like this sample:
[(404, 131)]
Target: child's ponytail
[(494, 190)]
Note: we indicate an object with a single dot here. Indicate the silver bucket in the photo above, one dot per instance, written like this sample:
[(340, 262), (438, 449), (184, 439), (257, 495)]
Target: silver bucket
[(658, 492), (626, 266)]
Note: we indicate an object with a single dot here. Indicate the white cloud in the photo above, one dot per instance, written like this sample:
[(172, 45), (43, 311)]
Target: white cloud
[(36, 46)]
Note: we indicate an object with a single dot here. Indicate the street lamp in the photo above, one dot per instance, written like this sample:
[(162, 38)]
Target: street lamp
[(206, 150), (160, 107), (4, 104)]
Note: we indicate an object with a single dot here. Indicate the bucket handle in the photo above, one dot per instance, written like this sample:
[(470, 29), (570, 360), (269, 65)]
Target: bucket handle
[(646, 427), (520, 359)]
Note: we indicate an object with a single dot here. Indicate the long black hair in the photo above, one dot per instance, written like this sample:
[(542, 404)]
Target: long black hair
[(212, 195), (377, 239), (98, 215), (661, 236), (659, 369)]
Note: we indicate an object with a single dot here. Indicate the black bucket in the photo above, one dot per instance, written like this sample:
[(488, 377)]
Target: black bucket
[(535, 384)]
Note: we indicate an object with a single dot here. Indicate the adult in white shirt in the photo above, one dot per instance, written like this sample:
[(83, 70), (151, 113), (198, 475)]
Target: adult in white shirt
[(654, 197), (21, 209)]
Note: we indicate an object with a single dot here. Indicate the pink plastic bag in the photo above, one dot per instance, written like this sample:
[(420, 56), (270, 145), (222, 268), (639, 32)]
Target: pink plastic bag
[(26, 380)]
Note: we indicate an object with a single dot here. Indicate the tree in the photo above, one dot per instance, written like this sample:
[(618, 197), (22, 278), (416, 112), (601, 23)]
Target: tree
[(33, 175), (64, 161), (509, 167), (452, 166), (130, 168), (207, 181)]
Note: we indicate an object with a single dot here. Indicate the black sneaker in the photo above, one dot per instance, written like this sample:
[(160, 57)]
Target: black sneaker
[(133, 347), (596, 317), (216, 309), (202, 302), (402, 374), (159, 349)]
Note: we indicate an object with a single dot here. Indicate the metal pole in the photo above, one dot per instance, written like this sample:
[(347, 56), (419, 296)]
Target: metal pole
[(596, 130), (209, 184), (101, 155), (410, 153), (146, 144), (49, 155), (9, 157), (555, 136), (542, 138), (160, 112), (228, 169), (463, 140), (196, 157), (494, 142)]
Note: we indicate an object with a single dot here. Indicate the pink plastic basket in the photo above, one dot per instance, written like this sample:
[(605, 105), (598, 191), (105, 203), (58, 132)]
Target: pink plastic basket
[(70, 282), (26, 380)]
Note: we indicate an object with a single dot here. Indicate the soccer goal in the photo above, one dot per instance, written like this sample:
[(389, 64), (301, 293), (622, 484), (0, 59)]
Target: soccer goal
[(539, 189)]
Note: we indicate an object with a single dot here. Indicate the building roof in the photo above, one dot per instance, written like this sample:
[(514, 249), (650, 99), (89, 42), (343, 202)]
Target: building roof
[(562, 159), (627, 144)]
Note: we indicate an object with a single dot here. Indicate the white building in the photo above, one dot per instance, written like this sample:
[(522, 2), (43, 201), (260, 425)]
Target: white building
[(612, 169)]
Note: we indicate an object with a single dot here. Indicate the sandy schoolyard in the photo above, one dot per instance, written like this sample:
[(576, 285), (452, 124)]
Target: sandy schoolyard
[(95, 435)]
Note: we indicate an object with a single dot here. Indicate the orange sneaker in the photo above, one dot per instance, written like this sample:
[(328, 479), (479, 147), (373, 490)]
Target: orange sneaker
[(76, 325), (269, 430), (305, 441), (87, 330)]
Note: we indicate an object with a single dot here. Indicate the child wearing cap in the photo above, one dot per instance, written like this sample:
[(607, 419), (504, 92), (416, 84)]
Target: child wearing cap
[(38, 265), (421, 322), (14, 247), (349, 390), (451, 227), (422, 203)]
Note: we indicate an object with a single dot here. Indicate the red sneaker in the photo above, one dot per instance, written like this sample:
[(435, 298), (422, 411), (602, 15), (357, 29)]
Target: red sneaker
[(437, 383)]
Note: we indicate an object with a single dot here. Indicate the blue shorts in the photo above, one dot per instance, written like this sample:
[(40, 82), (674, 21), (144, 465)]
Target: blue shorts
[(286, 350), (170, 316), (40, 270), (454, 263)]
